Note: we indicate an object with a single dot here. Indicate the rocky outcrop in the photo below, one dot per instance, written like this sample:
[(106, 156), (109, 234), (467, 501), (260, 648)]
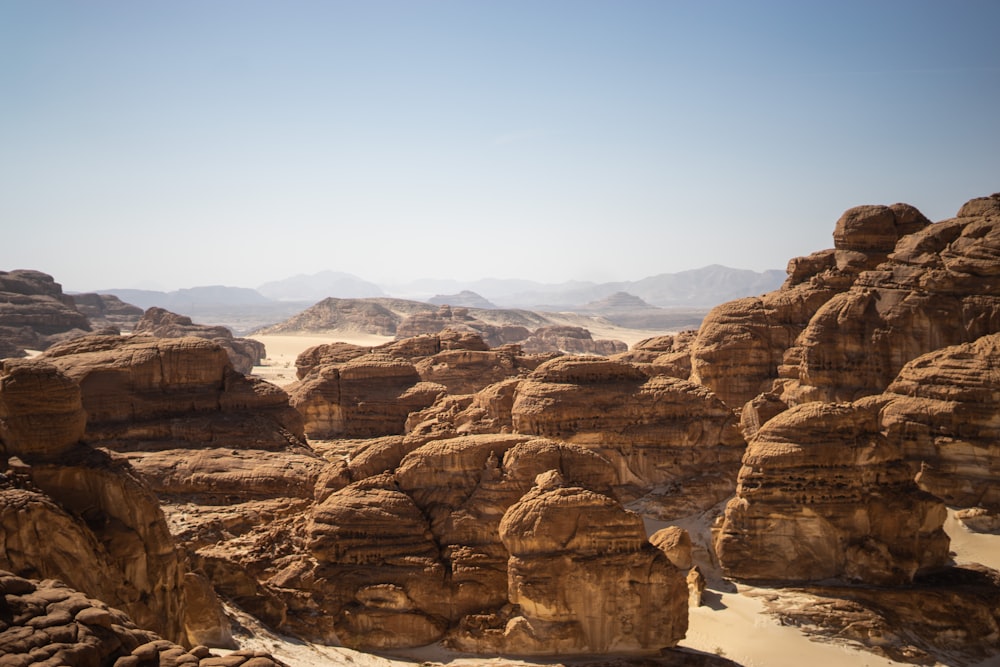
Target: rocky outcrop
[(584, 577), (41, 413), (34, 312), (368, 396), (941, 411), (949, 617), (381, 568), (47, 623), (823, 494), (108, 312), (169, 390), (459, 319), (666, 437), (570, 340), (361, 315), (662, 355), (743, 345), (937, 288), (243, 353)]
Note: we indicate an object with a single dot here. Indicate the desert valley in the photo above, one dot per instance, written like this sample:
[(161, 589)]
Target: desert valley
[(808, 474)]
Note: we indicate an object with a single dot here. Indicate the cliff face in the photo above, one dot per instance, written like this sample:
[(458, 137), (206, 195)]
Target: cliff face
[(34, 313), (823, 494)]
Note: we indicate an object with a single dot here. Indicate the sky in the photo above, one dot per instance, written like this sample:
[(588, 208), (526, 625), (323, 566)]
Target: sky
[(174, 143)]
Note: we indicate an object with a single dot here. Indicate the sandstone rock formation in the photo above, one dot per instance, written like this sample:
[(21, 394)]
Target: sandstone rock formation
[(942, 413), (363, 315), (416, 554), (47, 623), (585, 578), (823, 494), (173, 389), (368, 396), (571, 340), (948, 617), (244, 353), (34, 312), (742, 344), (664, 435), (936, 288), (459, 319), (662, 355), (108, 312)]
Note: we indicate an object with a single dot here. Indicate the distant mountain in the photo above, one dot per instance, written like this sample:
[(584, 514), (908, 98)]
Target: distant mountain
[(698, 288), (465, 298), (319, 286), (179, 300)]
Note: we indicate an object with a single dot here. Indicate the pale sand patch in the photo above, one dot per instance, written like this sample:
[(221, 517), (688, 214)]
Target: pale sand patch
[(282, 351)]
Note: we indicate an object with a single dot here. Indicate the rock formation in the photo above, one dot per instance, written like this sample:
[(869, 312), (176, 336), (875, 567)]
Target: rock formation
[(363, 315), (942, 412), (459, 319), (244, 353), (48, 623), (107, 312), (662, 355), (938, 287), (34, 313), (104, 530), (662, 434), (368, 396), (170, 390), (823, 494), (571, 340), (585, 578)]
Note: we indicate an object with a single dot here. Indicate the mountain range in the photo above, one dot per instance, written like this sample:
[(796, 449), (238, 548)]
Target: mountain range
[(704, 287), (639, 301)]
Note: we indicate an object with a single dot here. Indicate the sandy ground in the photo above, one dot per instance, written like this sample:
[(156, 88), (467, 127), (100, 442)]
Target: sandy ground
[(279, 366)]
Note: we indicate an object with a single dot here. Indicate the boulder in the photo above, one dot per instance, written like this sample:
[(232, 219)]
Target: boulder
[(41, 413)]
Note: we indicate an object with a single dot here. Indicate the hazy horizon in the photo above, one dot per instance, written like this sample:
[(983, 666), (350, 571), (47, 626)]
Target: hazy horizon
[(239, 142)]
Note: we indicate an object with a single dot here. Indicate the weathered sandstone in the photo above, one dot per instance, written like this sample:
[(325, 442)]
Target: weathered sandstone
[(823, 494), (244, 353), (34, 312), (367, 396), (47, 623), (584, 577), (662, 434), (936, 288), (942, 413), (570, 340)]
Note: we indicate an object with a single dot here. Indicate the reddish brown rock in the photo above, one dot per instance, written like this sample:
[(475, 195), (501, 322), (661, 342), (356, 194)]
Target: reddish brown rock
[(664, 435), (106, 311), (34, 312), (744, 345), (41, 414), (380, 568), (327, 353), (569, 340), (942, 413), (937, 288), (244, 353), (368, 396), (56, 625), (362, 315), (823, 494), (173, 390), (662, 355), (459, 320), (584, 578)]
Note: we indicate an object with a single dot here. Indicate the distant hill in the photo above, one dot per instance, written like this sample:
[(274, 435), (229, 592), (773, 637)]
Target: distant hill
[(465, 299), (179, 300), (319, 286)]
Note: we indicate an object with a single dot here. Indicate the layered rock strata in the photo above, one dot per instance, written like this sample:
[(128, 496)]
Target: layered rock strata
[(666, 437), (243, 353), (937, 288), (34, 313), (942, 412), (822, 495)]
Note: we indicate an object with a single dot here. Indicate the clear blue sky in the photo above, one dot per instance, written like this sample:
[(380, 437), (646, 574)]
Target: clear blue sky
[(180, 143)]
